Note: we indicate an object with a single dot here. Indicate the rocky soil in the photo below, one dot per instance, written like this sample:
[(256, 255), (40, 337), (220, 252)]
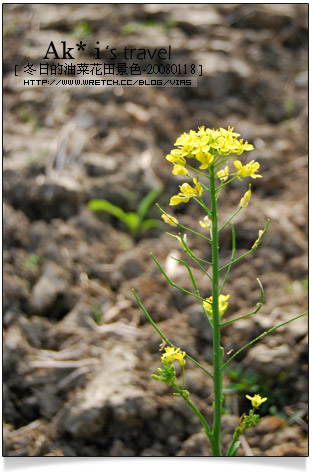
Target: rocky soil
[(78, 351)]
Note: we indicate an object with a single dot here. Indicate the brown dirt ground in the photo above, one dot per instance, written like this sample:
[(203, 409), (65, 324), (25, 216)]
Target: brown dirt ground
[(78, 352)]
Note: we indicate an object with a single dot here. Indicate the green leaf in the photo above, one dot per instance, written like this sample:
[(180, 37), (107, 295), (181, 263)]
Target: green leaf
[(150, 223), (235, 448), (133, 222), (97, 205), (147, 202)]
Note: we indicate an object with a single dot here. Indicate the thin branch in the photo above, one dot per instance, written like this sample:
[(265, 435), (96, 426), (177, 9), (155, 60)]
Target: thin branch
[(262, 335), (194, 258), (219, 163), (173, 284), (226, 223), (186, 228), (255, 245), (163, 337), (259, 305), (227, 182), (196, 170), (232, 257), (194, 284), (201, 203)]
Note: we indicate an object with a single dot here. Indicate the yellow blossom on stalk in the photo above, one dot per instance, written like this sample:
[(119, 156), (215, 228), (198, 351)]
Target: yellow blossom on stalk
[(172, 354), (223, 174), (178, 198), (229, 133), (245, 200), (186, 140), (247, 170), (175, 157), (179, 239), (207, 145), (244, 146), (206, 223), (187, 192), (256, 243), (257, 400), (170, 220), (225, 145), (222, 304), (198, 187), (201, 153), (178, 169)]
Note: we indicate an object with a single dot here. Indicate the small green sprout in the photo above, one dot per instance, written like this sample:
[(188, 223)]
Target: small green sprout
[(32, 262), (82, 29), (137, 27), (135, 221), (97, 314)]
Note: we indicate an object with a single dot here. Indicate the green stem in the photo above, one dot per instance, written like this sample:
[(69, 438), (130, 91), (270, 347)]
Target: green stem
[(197, 171), (174, 284), (216, 322), (194, 258), (259, 305), (196, 411), (255, 245), (260, 336), (232, 257), (201, 203), (235, 444), (163, 337), (225, 183), (226, 223), (186, 228), (194, 285)]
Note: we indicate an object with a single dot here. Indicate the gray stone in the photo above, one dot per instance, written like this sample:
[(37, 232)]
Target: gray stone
[(53, 282), (271, 361), (112, 388), (302, 80)]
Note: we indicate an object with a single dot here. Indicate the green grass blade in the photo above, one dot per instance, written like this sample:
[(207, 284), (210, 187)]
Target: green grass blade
[(147, 202), (103, 205)]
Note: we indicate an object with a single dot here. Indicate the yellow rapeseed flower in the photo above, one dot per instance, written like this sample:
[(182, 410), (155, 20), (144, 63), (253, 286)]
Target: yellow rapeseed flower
[(175, 157), (206, 223), (256, 243), (170, 220), (206, 144), (257, 400), (172, 354), (222, 304), (223, 174), (247, 170), (245, 200), (178, 169), (187, 192), (177, 199)]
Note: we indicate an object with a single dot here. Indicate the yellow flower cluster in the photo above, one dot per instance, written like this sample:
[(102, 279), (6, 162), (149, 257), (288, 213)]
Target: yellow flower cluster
[(204, 146), (257, 400), (172, 354), (222, 304), (187, 192)]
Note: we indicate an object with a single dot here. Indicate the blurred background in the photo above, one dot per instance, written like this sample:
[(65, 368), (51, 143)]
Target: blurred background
[(78, 351)]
